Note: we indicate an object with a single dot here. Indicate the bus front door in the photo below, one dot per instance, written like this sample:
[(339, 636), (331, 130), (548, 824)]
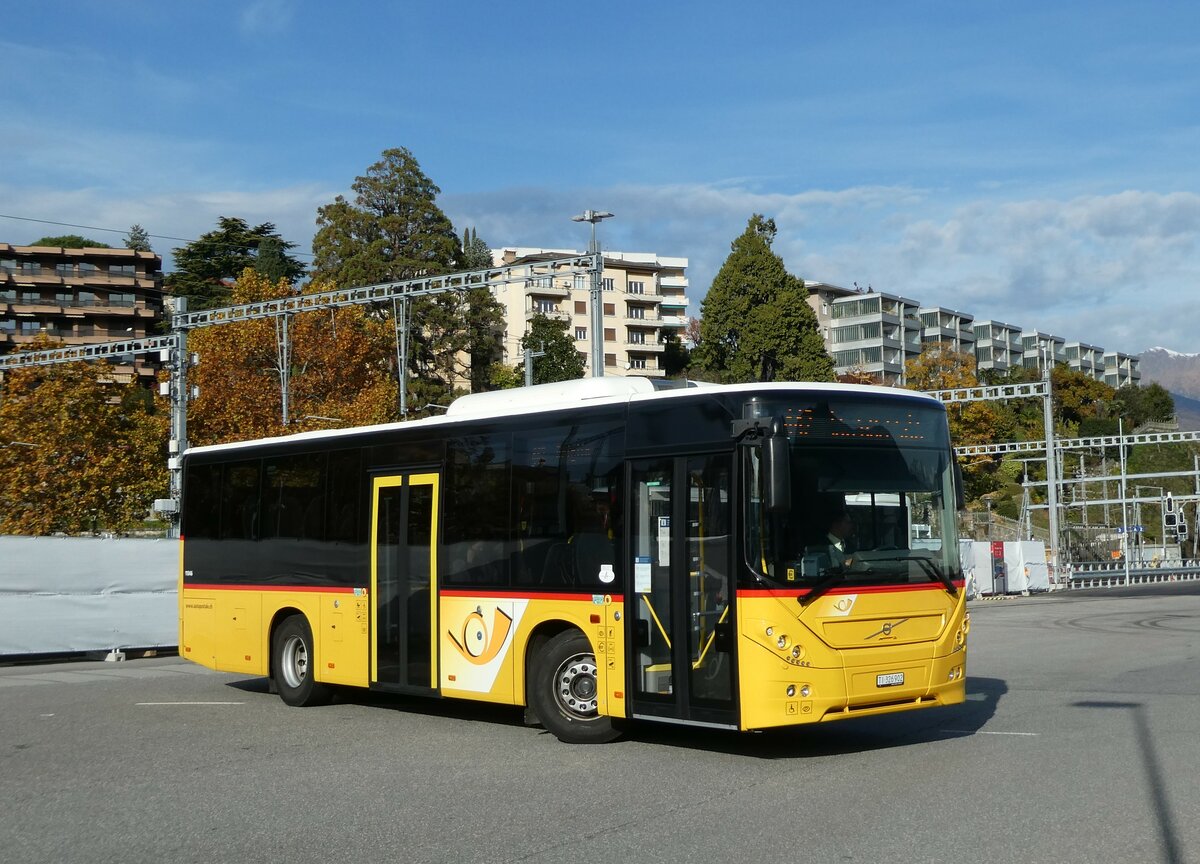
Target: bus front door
[(680, 596), (403, 581)]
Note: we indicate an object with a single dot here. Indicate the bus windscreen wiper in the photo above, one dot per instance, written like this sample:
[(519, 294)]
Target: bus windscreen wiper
[(930, 568)]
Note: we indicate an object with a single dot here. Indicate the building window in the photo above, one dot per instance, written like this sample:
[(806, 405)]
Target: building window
[(62, 269), (8, 265), (610, 359), (610, 334), (637, 287), (31, 268), (610, 308), (637, 362), (87, 268), (127, 299), (580, 307), (121, 270), (637, 338), (85, 330), (31, 297), (580, 334), (30, 327), (64, 298), (607, 284), (638, 312), (86, 298), (545, 307)]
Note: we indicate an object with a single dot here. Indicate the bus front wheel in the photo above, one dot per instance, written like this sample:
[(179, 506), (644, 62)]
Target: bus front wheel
[(292, 664), (563, 691)]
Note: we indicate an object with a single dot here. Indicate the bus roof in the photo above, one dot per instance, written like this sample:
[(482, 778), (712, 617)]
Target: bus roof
[(566, 394)]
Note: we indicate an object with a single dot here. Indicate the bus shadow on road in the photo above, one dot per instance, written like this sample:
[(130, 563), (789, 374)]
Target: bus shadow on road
[(857, 735)]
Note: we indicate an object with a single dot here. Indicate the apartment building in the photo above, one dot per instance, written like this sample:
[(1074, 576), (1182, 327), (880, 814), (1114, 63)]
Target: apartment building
[(1085, 358), (1121, 369), (1038, 347), (997, 345), (939, 324), (874, 334), (644, 298), (77, 296)]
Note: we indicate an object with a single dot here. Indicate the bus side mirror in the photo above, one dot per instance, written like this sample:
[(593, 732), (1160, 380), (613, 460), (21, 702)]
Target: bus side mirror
[(960, 495), (777, 468)]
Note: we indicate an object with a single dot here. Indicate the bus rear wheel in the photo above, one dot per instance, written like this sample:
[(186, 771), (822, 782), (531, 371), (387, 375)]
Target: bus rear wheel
[(292, 664), (563, 691)]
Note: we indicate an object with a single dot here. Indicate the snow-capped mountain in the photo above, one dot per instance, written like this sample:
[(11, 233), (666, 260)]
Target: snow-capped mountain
[(1179, 373)]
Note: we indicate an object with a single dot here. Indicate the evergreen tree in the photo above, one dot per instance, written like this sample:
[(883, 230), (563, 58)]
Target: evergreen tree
[(562, 360), (484, 317), (756, 322), (138, 239), (393, 230), (205, 269), (476, 255)]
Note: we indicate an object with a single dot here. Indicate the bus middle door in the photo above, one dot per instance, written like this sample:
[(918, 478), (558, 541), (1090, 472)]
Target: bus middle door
[(680, 597)]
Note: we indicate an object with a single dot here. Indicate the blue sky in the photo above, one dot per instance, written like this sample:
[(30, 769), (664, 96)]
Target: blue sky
[(1030, 162)]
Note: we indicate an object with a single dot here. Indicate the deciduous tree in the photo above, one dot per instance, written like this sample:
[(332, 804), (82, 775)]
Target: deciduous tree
[(70, 241), (79, 452), (340, 370)]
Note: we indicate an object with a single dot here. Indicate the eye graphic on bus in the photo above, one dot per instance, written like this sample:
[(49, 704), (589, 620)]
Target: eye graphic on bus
[(477, 645)]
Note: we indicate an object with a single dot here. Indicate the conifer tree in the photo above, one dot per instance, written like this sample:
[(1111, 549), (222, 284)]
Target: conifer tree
[(756, 322)]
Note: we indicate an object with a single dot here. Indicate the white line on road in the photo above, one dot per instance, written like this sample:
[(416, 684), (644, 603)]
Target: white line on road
[(981, 732), (189, 703)]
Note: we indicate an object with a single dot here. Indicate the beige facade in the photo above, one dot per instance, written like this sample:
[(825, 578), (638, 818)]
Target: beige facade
[(78, 296), (644, 298)]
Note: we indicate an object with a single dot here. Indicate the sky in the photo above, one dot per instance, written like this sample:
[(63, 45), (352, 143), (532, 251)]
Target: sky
[(1030, 162)]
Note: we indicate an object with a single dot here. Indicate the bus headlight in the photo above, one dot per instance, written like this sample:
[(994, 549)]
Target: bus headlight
[(782, 641), (805, 691)]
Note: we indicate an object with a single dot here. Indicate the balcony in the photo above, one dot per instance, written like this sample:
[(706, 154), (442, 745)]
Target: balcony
[(650, 347), (540, 288), (553, 313)]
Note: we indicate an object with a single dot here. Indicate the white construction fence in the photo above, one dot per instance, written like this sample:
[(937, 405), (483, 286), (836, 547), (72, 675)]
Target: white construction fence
[(80, 594)]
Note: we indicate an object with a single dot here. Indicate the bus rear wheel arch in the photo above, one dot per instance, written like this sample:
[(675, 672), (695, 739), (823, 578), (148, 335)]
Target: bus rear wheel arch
[(562, 690), (293, 664)]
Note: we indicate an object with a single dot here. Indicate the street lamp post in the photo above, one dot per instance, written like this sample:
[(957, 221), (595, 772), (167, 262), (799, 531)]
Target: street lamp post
[(597, 325)]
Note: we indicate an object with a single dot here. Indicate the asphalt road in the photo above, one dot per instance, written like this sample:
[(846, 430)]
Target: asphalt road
[(1080, 743)]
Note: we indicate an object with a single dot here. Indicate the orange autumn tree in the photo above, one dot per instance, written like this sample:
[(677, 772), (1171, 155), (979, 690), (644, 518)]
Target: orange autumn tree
[(341, 370), (79, 452)]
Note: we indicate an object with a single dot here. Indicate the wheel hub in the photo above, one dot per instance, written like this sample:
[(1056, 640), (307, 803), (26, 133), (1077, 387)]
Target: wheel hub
[(575, 686)]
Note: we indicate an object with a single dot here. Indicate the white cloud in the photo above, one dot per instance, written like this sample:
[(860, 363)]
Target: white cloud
[(1114, 270), (265, 18)]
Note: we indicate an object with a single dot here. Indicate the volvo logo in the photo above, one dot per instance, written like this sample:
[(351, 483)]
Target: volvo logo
[(886, 629)]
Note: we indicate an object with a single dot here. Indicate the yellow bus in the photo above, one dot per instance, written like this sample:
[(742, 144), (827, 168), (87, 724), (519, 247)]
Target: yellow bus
[(600, 552)]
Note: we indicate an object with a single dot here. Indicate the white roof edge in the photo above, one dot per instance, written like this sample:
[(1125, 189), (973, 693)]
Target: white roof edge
[(562, 394)]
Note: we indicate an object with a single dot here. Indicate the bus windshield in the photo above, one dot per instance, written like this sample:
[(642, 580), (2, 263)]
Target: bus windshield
[(872, 498)]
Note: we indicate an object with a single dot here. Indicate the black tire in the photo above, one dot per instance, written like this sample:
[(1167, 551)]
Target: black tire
[(562, 691), (292, 664)]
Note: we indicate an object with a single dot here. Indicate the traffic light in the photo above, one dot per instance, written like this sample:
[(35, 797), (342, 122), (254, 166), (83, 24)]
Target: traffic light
[(1170, 519)]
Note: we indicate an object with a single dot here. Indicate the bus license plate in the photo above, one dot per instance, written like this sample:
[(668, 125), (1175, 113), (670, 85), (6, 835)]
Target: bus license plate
[(890, 679)]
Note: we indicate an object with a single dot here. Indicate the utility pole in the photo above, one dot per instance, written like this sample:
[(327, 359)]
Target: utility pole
[(1051, 459), (1124, 497), (529, 355), (595, 216)]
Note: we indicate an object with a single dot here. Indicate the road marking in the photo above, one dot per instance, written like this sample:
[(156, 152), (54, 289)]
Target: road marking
[(189, 703), (982, 732)]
